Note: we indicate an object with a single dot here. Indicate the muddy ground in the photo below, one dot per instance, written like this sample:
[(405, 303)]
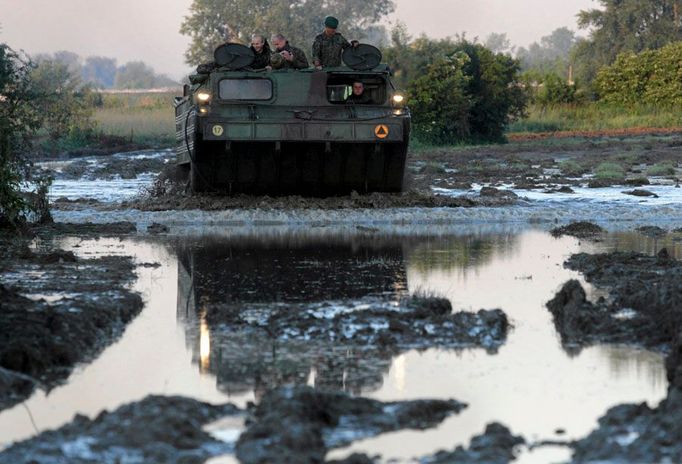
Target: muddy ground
[(157, 429), (296, 423), (554, 167), (644, 308), (291, 424), (349, 344), (49, 319)]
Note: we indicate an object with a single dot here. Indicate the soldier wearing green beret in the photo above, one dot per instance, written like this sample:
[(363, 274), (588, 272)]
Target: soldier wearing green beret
[(329, 45)]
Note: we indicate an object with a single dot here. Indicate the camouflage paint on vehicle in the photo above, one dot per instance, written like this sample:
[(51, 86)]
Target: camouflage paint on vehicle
[(291, 132)]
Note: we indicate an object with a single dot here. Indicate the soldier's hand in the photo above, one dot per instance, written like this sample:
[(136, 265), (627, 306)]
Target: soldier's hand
[(354, 43)]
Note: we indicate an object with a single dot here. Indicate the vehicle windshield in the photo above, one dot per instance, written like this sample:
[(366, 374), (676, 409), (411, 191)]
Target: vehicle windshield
[(245, 89), (340, 89)]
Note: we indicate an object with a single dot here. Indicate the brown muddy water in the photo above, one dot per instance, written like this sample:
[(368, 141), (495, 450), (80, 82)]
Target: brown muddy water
[(530, 383)]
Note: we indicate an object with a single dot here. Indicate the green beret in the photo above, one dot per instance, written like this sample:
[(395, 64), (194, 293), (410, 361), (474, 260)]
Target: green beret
[(331, 21)]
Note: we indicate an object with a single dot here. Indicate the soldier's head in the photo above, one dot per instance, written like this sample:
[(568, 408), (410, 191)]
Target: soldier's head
[(358, 88), (330, 25), (279, 42), (258, 42)]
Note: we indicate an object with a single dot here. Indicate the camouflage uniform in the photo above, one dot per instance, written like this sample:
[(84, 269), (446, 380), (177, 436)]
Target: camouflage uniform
[(299, 61), (327, 50), (362, 99), (262, 59)]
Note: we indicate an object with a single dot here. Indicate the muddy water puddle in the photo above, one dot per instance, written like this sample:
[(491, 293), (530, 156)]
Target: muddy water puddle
[(529, 383)]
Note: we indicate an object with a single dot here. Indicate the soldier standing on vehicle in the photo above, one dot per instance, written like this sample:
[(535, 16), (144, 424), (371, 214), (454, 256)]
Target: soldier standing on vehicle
[(292, 57), (329, 45), (261, 51)]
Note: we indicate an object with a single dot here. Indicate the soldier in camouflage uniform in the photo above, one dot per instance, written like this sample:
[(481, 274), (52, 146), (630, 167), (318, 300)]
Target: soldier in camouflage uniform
[(329, 45), (292, 57)]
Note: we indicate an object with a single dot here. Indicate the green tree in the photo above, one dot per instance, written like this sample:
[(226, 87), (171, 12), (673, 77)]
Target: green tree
[(498, 43), (138, 75), (651, 77), (20, 118), (63, 100), (555, 89), (213, 22), (466, 93), (99, 71), (624, 26), (439, 101), (550, 55), (409, 57)]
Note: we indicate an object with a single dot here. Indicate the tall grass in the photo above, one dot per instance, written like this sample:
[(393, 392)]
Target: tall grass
[(596, 116), (141, 118)]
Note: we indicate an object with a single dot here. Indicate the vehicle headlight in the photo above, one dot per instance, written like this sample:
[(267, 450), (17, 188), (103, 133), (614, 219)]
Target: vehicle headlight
[(203, 97), (398, 99)]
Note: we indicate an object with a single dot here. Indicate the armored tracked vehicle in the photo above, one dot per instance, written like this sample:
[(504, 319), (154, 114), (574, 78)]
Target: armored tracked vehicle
[(285, 132)]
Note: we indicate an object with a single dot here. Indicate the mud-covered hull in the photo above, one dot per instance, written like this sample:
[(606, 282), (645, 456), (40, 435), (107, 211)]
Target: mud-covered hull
[(296, 168)]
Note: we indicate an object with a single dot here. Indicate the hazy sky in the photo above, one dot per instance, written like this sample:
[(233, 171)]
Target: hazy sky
[(147, 30)]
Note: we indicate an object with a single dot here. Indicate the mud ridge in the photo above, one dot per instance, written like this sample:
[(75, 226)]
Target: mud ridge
[(583, 230), (411, 199), (299, 424), (349, 345), (494, 446), (156, 429)]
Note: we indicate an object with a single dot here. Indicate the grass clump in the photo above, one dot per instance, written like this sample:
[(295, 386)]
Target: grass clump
[(432, 168), (609, 170), (572, 168), (661, 169)]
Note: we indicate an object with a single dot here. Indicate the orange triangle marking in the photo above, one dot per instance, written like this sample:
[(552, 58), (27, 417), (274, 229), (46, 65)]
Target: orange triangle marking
[(381, 131)]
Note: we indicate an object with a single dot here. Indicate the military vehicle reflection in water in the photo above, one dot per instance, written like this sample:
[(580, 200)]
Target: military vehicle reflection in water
[(325, 310), (254, 275), (241, 130)]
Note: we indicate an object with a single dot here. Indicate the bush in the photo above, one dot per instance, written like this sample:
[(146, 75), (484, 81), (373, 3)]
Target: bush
[(609, 170), (65, 102), (555, 90), (662, 169), (650, 77), (572, 168), (440, 104), (20, 117), (468, 95)]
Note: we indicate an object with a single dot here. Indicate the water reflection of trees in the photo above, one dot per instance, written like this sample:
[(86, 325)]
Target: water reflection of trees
[(647, 364), (470, 251), (635, 241)]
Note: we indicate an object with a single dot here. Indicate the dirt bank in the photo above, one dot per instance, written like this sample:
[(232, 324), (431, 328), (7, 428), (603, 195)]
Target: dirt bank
[(107, 168), (582, 230), (409, 199), (644, 308), (300, 424), (57, 310), (156, 429)]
